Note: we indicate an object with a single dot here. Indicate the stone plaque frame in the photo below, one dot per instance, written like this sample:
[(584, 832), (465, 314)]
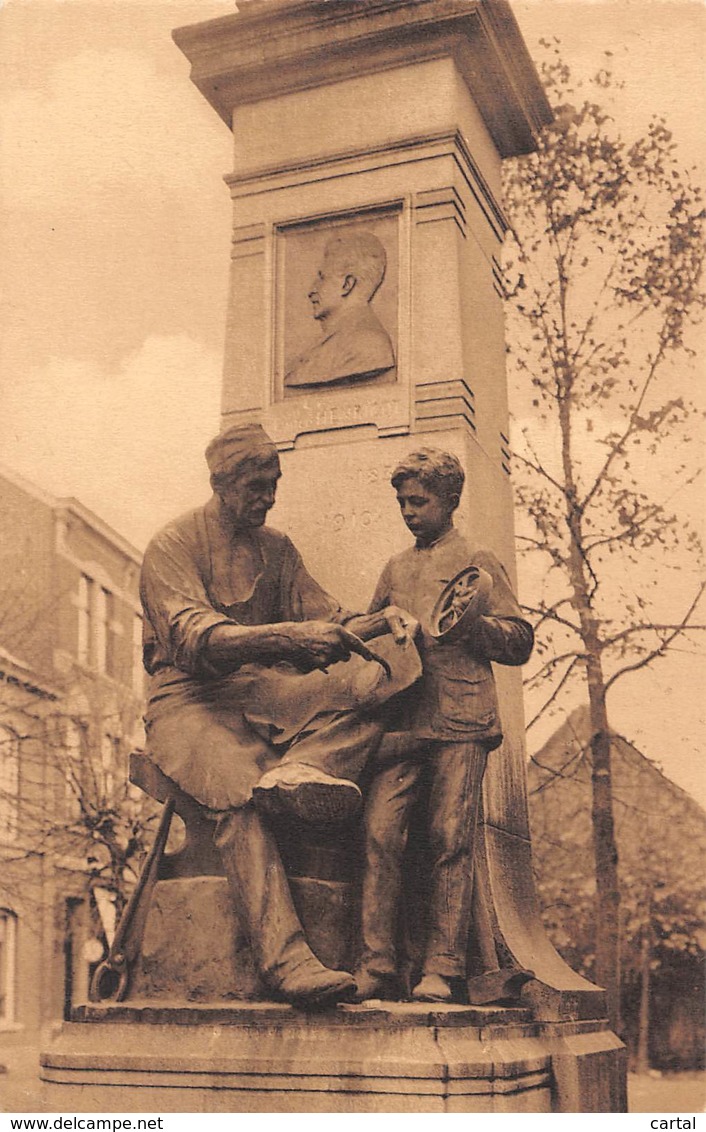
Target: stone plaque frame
[(299, 248), (382, 402)]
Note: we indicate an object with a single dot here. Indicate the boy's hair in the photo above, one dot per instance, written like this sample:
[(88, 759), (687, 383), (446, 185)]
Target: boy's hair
[(437, 471)]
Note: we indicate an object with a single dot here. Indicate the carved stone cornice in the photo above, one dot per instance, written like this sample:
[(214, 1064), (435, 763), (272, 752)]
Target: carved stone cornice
[(409, 149), (271, 48)]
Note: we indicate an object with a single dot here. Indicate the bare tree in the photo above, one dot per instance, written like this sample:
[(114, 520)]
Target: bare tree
[(65, 739), (603, 271), (69, 800)]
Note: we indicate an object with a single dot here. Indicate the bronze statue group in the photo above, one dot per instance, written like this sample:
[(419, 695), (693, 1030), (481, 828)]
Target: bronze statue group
[(267, 700)]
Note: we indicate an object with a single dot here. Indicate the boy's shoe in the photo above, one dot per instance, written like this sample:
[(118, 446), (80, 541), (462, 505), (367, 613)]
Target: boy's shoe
[(371, 986), (433, 988), (307, 793)]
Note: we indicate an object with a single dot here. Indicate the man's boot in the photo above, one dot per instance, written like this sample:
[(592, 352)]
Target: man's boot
[(261, 893)]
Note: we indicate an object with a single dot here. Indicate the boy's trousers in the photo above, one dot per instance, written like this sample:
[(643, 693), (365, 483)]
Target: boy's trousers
[(454, 772)]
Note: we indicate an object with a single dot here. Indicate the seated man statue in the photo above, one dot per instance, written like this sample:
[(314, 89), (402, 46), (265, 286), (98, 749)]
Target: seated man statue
[(242, 713), (451, 724)]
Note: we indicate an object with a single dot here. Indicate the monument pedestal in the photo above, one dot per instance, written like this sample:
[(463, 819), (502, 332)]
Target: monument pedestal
[(195, 1035), (386, 1057)]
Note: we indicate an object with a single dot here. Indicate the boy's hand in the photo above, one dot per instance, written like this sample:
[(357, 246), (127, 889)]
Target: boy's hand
[(461, 604), (472, 598), (401, 624), (398, 622)]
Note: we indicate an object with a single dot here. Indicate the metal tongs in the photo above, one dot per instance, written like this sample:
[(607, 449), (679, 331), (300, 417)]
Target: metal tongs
[(356, 645)]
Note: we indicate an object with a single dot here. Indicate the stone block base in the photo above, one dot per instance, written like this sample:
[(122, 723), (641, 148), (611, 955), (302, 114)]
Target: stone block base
[(387, 1057), (195, 947)]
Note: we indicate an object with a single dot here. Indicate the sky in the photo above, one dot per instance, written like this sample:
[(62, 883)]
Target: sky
[(114, 240)]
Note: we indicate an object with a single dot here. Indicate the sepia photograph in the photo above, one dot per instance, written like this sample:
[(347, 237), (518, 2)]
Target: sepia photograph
[(352, 596)]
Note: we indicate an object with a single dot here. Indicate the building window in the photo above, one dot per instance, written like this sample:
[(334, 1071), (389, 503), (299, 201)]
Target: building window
[(8, 961), (138, 670), (97, 645), (83, 651), (101, 628), (9, 783)]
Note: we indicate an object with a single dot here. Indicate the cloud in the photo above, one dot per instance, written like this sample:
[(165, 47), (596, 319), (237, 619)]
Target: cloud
[(128, 443), (103, 122)]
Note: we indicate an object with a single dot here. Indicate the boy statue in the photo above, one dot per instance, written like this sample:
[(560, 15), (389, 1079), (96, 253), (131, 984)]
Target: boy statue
[(451, 725)]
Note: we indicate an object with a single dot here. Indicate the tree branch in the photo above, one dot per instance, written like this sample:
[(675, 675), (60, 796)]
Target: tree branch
[(550, 614), (576, 757), (549, 665), (664, 645), (555, 693), (537, 467), (618, 445)]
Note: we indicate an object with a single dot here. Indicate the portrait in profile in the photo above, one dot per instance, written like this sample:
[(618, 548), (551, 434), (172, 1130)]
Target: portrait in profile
[(353, 344)]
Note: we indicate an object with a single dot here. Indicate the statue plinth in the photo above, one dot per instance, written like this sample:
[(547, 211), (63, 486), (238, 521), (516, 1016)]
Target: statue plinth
[(394, 1057), (371, 129)]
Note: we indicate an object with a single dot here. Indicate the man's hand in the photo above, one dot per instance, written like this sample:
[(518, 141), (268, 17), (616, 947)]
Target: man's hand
[(313, 644), (305, 644), (316, 644)]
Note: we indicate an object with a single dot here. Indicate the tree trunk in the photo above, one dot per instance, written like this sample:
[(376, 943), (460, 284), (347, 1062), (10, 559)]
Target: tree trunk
[(643, 1025), (605, 848), (607, 917)]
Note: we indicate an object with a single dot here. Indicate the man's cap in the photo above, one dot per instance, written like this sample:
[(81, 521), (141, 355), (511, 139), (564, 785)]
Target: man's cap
[(227, 451)]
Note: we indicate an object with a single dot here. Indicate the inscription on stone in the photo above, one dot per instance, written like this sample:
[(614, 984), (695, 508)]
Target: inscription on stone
[(353, 520), (324, 416)]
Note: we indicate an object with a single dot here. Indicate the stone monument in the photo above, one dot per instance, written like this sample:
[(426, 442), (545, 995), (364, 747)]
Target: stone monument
[(368, 138)]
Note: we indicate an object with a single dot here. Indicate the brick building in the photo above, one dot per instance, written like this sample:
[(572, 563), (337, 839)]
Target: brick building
[(661, 839), (71, 690)]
